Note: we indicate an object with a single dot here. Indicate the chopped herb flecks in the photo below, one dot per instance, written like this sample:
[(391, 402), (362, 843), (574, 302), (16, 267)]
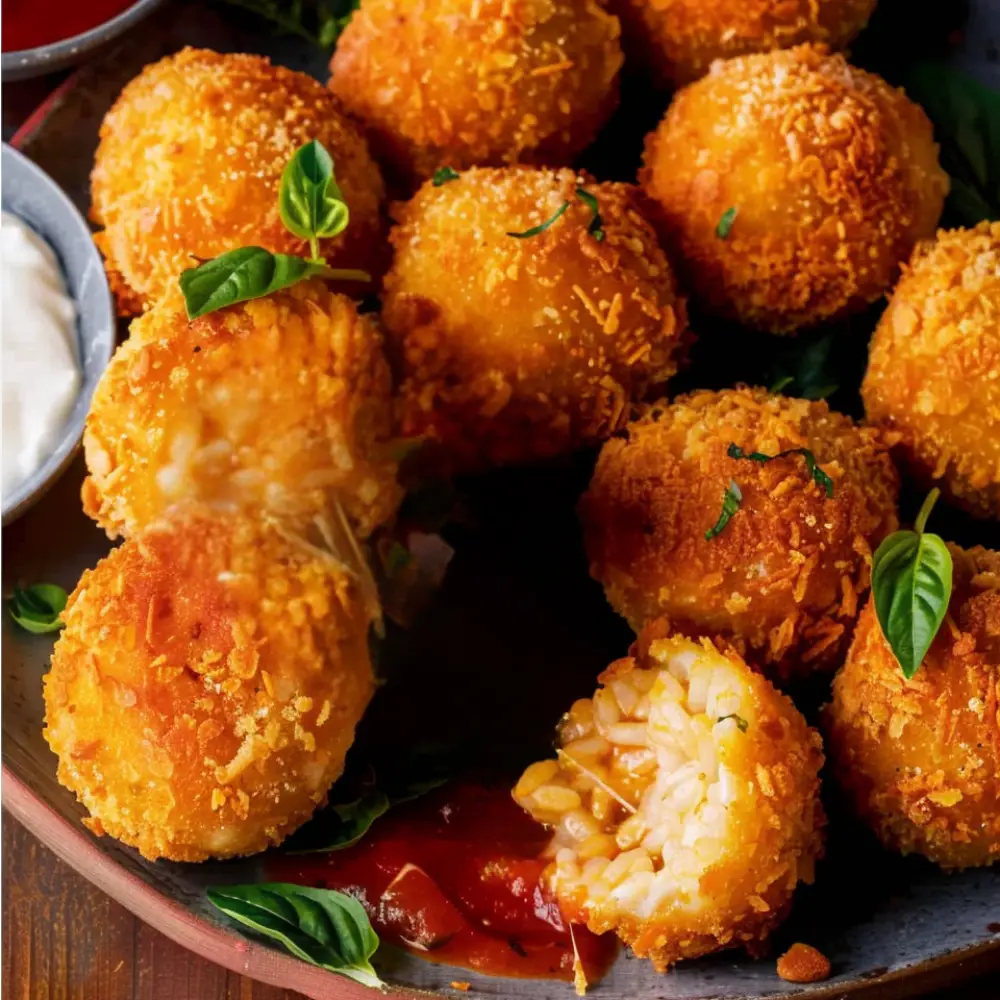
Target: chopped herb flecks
[(731, 501), (819, 477), (726, 223), (741, 724), (542, 226), (443, 175), (596, 226)]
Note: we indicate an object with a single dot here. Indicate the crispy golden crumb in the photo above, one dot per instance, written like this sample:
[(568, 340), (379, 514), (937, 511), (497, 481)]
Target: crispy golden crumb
[(190, 160), (934, 366), (281, 402), (451, 82), (920, 758), (684, 802), (510, 349), (784, 579), (184, 693), (833, 175), (677, 40), (803, 963), (457, 984)]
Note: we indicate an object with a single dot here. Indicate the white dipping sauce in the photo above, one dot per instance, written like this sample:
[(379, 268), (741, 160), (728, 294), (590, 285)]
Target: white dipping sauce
[(41, 366)]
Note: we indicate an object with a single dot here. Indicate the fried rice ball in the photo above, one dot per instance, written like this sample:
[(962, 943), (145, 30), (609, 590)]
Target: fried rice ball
[(281, 402), (205, 689), (190, 161), (782, 580), (441, 82), (677, 40), (920, 758), (512, 350), (792, 186), (684, 801), (934, 367)]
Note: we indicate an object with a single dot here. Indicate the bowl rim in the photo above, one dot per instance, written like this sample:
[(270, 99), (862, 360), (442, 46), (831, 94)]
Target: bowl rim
[(33, 488), (45, 56)]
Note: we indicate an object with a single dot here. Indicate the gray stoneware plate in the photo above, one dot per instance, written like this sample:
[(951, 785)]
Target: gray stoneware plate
[(517, 631), (32, 196)]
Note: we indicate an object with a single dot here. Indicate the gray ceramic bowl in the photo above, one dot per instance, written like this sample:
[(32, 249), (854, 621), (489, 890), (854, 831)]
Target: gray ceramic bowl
[(30, 194), (69, 51)]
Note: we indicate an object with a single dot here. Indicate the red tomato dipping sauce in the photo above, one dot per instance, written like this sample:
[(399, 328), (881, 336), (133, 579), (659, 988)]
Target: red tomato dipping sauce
[(30, 23), (455, 878)]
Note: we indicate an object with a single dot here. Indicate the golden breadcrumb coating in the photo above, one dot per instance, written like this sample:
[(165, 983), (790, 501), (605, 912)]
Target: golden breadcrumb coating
[(920, 758), (281, 402), (684, 800), (190, 161), (511, 349), (677, 40), (206, 687), (934, 366), (451, 82), (783, 579), (832, 173)]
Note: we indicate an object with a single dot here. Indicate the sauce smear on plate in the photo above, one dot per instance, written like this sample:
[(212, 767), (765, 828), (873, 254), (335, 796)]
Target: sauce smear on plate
[(30, 23), (455, 878)]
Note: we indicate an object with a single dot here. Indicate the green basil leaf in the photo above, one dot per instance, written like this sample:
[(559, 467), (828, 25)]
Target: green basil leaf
[(731, 501), (249, 273), (911, 587), (542, 226), (741, 724), (311, 205), (804, 369), (321, 926), (966, 118), (819, 477), (37, 609), (444, 175), (341, 824), (725, 223)]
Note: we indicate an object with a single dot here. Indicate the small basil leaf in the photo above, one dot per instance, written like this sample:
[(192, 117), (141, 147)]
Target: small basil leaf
[(37, 609), (725, 223), (444, 175), (245, 274), (804, 368), (311, 205), (321, 926), (911, 587), (731, 501), (340, 825)]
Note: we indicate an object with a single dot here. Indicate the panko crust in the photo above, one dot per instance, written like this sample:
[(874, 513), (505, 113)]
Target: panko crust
[(934, 367), (677, 40), (834, 176), (441, 82), (281, 402), (783, 579), (920, 758), (775, 822), (513, 350), (190, 162), (205, 689)]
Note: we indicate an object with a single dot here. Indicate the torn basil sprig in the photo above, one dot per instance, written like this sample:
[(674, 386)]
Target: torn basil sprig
[(911, 587), (725, 223), (38, 609), (444, 175), (321, 926), (819, 477), (731, 501), (312, 208)]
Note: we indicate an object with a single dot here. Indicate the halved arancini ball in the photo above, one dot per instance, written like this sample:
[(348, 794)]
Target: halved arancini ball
[(512, 349), (919, 759), (784, 578), (206, 687), (677, 40), (684, 801), (934, 367), (190, 163), (792, 186), (449, 82), (281, 402)]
